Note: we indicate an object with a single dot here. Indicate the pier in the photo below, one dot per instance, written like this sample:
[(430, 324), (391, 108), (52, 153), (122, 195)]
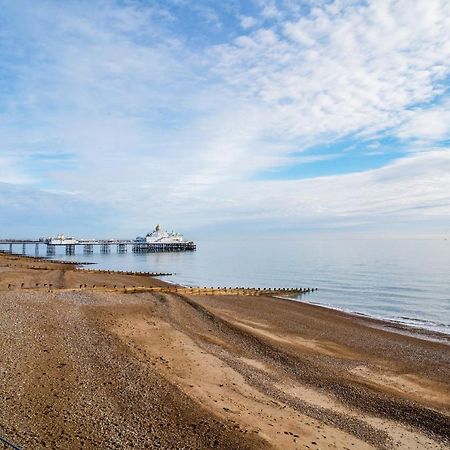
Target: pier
[(157, 240), (88, 246)]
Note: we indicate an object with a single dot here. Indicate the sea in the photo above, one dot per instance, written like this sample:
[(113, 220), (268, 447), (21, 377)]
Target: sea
[(402, 281)]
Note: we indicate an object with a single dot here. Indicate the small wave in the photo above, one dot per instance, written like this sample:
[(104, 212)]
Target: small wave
[(414, 319), (414, 323)]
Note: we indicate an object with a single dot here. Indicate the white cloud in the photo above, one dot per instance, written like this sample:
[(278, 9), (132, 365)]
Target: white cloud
[(11, 172), (408, 189), (343, 68), (248, 22), (159, 129), (427, 125)]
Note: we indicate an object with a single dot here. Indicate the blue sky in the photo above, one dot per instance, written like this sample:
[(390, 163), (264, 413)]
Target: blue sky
[(327, 117)]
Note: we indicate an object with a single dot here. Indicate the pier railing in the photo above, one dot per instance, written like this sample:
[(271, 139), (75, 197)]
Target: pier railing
[(104, 245)]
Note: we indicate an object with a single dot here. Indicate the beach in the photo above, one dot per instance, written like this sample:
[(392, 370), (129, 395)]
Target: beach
[(86, 362)]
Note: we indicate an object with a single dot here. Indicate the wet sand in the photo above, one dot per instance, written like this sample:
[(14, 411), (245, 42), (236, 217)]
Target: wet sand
[(98, 368)]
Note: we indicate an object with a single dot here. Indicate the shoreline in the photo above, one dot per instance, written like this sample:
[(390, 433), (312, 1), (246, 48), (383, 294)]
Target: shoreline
[(426, 332), (118, 368), (47, 258), (392, 324)]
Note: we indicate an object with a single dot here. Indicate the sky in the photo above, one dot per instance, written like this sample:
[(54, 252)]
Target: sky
[(256, 117)]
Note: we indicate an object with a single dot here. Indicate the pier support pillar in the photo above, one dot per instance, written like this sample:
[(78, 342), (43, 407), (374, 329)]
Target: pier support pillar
[(50, 250), (104, 248), (121, 248), (36, 249), (88, 248), (70, 249), (24, 249), (10, 248)]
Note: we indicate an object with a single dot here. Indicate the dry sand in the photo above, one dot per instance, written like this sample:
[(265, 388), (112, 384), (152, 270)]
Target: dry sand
[(96, 368)]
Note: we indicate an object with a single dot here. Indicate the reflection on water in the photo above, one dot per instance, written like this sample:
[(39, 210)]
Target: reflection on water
[(404, 280)]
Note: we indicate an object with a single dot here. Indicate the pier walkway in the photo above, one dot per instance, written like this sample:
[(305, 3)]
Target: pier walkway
[(88, 245)]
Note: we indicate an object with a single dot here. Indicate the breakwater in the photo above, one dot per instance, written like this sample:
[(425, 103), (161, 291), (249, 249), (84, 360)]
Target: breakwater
[(183, 290)]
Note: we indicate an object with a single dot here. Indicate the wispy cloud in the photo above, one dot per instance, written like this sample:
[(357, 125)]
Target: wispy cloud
[(10, 171), (427, 125), (171, 111), (343, 68)]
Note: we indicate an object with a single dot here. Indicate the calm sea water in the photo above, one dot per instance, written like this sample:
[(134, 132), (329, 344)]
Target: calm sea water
[(400, 280)]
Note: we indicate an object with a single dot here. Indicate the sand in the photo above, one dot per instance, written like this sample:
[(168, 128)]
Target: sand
[(99, 368)]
